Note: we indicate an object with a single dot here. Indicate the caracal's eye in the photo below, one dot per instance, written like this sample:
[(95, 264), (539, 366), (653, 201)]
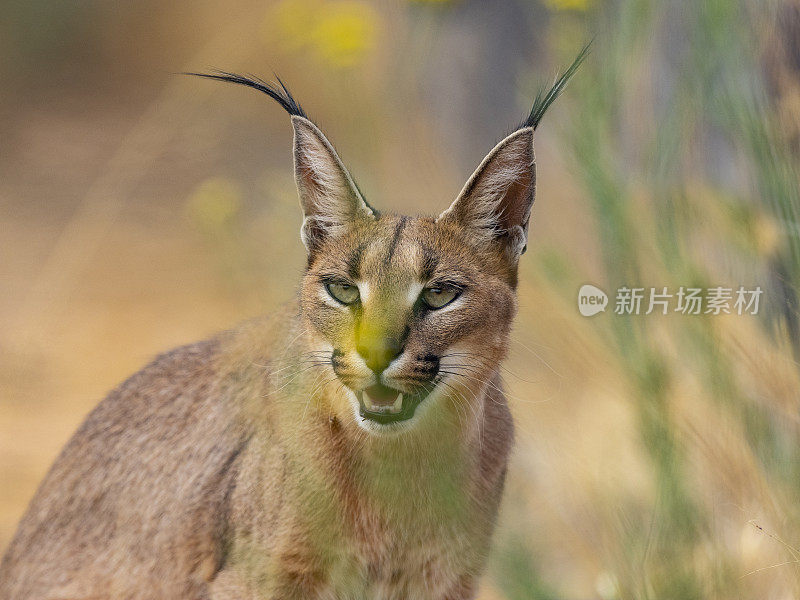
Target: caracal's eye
[(342, 292), (439, 296)]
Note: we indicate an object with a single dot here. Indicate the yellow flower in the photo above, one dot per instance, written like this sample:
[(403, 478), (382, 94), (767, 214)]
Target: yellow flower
[(292, 19), (338, 32), (766, 235), (569, 4), (345, 32), (214, 204)]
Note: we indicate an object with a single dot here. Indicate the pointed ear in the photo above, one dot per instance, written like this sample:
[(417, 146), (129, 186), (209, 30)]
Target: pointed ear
[(329, 197), (495, 205)]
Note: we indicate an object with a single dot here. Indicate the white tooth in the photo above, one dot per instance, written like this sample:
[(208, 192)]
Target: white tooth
[(368, 402), (398, 404)]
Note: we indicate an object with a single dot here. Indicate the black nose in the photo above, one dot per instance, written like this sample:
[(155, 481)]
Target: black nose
[(378, 354)]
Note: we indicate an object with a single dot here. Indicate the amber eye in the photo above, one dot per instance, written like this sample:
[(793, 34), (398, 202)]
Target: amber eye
[(439, 296), (342, 292)]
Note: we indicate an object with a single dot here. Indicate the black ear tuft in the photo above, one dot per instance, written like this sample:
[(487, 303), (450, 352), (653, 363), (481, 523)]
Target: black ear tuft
[(543, 100), (278, 92)]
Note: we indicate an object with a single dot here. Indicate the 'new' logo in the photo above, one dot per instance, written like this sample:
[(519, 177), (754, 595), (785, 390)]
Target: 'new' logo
[(591, 300)]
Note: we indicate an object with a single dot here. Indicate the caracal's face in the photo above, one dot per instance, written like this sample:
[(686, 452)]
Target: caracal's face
[(410, 315)]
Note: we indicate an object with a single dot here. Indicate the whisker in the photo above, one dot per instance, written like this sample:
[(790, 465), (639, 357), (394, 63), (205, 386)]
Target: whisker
[(504, 368)]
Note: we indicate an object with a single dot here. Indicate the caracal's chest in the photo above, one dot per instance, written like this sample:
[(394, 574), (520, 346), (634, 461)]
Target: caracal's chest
[(396, 527), (331, 554), (418, 542), (403, 562)]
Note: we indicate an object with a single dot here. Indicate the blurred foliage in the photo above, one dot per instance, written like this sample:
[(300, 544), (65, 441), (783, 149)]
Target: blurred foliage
[(640, 180)]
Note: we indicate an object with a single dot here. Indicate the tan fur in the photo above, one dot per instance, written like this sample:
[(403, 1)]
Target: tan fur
[(238, 467)]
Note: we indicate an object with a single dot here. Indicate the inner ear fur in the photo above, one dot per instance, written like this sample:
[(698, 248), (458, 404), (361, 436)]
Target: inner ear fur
[(328, 195), (494, 207)]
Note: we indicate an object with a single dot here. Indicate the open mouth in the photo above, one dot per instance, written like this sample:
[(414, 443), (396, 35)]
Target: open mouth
[(385, 405)]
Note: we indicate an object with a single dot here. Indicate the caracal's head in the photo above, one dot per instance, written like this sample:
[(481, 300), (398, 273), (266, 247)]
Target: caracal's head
[(411, 314)]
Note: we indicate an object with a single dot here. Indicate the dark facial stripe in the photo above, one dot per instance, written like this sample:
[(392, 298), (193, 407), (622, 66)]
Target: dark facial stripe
[(397, 232), (429, 262), (354, 261)]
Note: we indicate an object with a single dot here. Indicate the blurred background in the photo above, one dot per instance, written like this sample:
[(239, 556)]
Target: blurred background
[(657, 456)]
